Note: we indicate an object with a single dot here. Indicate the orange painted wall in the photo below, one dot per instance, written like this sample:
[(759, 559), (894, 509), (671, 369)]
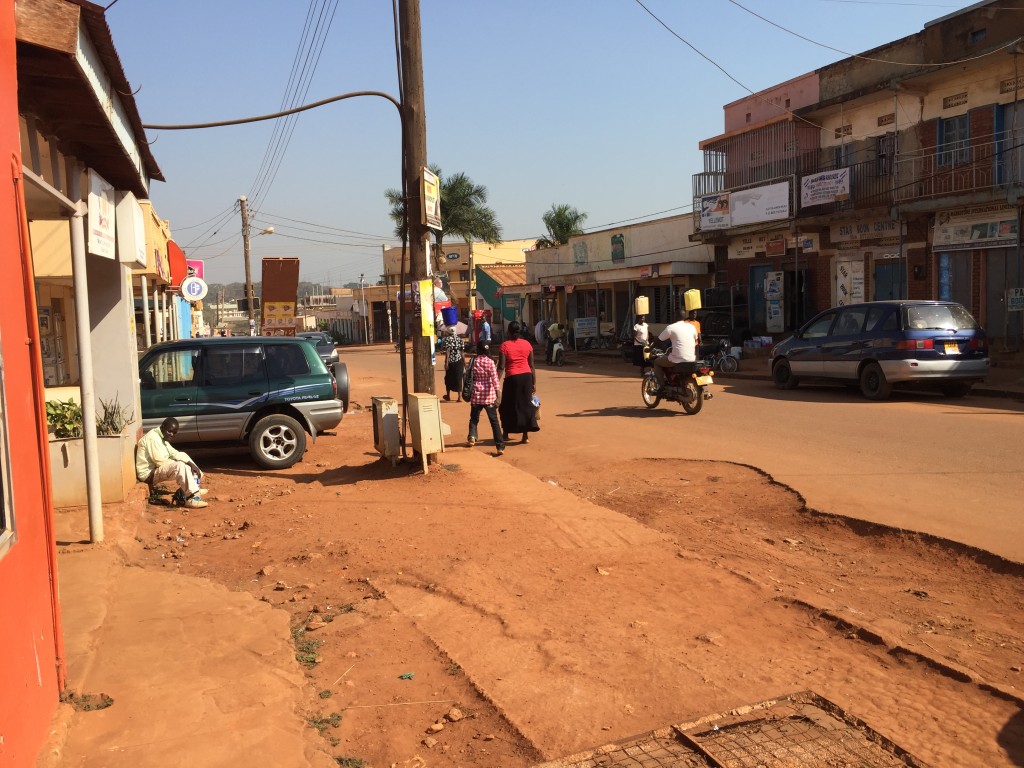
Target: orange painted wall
[(28, 676)]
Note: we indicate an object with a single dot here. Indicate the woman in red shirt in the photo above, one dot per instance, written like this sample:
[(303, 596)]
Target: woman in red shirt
[(515, 365)]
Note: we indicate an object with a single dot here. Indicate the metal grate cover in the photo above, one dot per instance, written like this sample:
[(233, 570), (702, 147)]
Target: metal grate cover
[(795, 731)]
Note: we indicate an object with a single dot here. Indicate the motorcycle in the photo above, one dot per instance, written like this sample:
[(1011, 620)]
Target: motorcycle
[(687, 389), (718, 358), (558, 352)]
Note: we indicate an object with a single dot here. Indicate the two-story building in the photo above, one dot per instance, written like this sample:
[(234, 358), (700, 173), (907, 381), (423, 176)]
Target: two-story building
[(893, 173)]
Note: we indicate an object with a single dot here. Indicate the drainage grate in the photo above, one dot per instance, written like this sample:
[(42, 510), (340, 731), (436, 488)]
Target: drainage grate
[(794, 731)]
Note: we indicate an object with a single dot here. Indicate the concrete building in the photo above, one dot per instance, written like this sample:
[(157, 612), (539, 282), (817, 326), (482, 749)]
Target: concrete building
[(895, 173)]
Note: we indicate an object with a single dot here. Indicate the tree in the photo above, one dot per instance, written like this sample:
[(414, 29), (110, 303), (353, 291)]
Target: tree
[(464, 213), (562, 222)]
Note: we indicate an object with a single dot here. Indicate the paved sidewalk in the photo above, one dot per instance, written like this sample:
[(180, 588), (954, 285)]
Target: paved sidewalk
[(199, 675)]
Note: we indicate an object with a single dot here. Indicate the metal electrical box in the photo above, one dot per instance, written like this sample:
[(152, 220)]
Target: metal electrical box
[(425, 426), (387, 437)]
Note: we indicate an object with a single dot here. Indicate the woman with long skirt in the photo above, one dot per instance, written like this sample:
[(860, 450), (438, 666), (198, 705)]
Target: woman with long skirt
[(519, 384), (455, 365)]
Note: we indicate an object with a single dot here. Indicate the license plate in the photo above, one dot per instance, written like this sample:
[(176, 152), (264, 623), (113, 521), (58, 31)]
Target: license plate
[(952, 348), (705, 380)]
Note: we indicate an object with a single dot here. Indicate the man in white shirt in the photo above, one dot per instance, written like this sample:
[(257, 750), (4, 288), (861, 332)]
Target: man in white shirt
[(684, 346)]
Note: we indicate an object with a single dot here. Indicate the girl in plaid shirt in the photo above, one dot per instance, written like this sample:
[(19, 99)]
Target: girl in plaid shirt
[(484, 396)]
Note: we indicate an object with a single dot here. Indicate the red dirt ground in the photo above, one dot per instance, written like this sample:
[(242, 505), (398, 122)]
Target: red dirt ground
[(600, 608)]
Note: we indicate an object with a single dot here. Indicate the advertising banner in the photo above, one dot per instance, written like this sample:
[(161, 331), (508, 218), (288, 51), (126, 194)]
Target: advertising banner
[(826, 187), (855, 231), (426, 303), (101, 217), (751, 206), (431, 200), (280, 295), (196, 268), (990, 226), (714, 211)]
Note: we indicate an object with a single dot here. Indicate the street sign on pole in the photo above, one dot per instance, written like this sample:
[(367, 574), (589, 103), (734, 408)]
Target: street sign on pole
[(194, 289)]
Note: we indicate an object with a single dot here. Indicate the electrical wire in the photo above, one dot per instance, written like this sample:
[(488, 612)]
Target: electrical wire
[(871, 58), (302, 84)]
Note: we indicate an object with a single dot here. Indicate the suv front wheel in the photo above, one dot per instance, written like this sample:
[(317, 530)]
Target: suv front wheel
[(277, 441)]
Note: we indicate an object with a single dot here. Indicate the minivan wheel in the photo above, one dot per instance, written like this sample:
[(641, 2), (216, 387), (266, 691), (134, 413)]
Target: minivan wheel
[(277, 441), (873, 384), (783, 376)]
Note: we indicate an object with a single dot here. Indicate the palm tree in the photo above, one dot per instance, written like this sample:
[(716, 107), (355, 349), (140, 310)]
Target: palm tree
[(562, 222), (464, 213)]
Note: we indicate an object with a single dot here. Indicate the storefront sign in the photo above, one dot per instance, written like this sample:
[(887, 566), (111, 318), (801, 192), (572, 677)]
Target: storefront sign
[(775, 247), (749, 246), (1015, 300), (130, 231), (648, 271), (585, 327), (855, 231), (714, 211), (196, 268), (101, 217), (827, 187), (751, 206), (431, 188), (986, 227)]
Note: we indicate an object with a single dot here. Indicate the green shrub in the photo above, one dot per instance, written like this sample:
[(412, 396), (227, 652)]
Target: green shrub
[(64, 417)]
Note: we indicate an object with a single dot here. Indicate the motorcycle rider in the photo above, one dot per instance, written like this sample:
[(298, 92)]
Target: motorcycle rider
[(683, 336)]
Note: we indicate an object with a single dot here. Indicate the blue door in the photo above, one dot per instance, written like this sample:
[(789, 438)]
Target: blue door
[(888, 280)]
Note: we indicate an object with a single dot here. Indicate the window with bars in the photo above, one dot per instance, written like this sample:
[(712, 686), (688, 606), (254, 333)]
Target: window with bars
[(885, 149)]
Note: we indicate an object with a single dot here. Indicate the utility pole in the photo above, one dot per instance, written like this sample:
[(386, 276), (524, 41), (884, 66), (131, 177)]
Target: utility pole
[(387, 291), (245, 250), (414, 140), (362, 311)]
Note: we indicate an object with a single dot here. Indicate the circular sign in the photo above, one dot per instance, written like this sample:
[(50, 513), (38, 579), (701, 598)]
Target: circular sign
[(194, 289)]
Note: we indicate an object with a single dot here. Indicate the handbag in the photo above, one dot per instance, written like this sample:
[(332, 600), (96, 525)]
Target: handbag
[(467, 380)]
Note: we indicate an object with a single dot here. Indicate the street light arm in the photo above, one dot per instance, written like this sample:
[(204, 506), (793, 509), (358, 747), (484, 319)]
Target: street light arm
[(272, 116)]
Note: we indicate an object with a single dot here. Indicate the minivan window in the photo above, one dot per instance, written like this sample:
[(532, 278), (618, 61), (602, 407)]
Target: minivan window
[(232, 365), (173, 369), (850, 322), (819, 327), (286, 360), (881, 319), (940, 317)]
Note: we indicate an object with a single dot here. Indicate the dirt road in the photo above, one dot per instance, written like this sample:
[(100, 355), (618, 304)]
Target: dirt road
[(483, 615)]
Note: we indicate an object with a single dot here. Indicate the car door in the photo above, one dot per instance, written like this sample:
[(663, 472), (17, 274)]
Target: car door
[(286, 367), (843, 347), (168, 387), (234, 384), (805, 351)]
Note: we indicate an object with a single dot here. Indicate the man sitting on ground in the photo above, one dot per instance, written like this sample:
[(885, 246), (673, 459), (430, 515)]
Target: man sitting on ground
[(156, 460)]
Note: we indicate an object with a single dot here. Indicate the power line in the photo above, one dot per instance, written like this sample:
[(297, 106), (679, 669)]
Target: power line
[(870, 58)]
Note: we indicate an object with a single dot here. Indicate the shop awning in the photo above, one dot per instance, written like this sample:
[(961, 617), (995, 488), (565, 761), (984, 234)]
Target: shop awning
[(179, 269)]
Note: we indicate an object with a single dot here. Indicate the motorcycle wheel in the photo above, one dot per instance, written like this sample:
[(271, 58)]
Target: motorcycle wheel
[(730, 364), (693, 398), (560, 358), (649, 391)]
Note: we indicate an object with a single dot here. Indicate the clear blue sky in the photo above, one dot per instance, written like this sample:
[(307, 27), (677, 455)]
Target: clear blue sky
[(592, 103)]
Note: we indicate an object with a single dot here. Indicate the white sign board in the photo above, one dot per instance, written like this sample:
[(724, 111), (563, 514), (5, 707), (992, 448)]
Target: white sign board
[(750, 206), (1015, 300), (431, 200), (585, 327), (131, 231), (984, 227), (825, 187), (101, 217)]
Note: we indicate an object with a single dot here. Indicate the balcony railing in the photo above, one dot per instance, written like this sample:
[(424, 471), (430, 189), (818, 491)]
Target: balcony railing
[(975, 165)]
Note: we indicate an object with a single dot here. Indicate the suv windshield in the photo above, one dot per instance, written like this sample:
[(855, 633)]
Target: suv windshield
[(940, 317)]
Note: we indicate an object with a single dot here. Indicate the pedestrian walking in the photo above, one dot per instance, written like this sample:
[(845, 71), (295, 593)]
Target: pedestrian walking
[(482, 384), (519, 385)]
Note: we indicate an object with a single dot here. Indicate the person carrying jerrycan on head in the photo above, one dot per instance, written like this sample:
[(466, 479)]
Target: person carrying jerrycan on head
[(157, 460), (482, 388)]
